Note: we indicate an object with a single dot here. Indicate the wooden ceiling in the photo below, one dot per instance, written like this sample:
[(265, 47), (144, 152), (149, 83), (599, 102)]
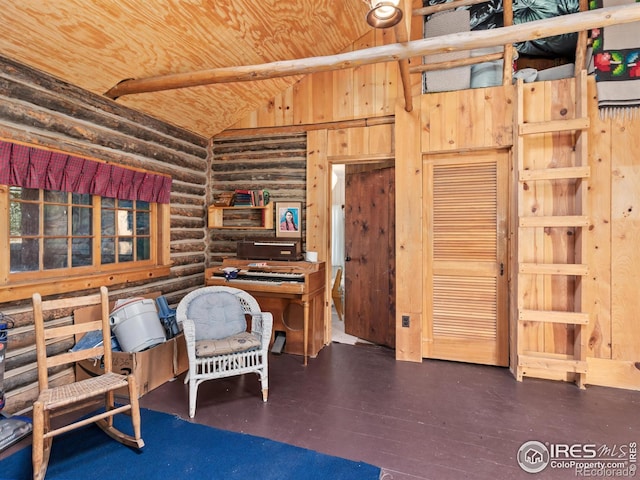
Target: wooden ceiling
[(96, 44)]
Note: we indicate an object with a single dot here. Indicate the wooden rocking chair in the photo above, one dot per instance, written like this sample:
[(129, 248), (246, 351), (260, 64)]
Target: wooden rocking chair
[(63, 399)]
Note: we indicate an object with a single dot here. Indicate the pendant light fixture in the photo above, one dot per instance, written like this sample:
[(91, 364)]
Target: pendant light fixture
[(383, 13)]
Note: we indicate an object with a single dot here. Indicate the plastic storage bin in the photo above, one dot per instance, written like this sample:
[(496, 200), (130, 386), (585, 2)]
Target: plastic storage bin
[(136, 324)]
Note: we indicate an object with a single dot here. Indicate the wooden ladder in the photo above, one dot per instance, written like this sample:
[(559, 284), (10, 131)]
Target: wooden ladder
[(579, 221)]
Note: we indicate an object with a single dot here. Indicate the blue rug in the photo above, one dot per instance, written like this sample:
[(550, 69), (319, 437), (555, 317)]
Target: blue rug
[(177, 449)]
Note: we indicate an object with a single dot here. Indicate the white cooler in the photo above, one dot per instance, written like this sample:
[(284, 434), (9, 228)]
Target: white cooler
[(136, 324)]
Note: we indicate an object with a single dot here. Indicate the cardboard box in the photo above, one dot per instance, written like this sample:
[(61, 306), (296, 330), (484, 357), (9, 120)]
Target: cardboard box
[(181, 359), (152, 367)]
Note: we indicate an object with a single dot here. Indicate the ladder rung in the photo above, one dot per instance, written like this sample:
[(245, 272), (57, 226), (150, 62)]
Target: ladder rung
[(554, 269), (553, 126), (552, 364), (552, 316), (555, 221), (555, 173)]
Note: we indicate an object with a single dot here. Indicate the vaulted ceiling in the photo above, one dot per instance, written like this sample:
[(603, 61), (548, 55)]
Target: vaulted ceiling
[(94, 44)]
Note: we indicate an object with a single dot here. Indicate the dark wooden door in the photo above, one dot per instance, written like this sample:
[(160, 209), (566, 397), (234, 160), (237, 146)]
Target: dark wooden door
[(370, 254)]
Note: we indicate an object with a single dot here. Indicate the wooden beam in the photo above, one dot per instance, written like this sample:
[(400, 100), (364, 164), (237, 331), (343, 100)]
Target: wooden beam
[(445, 6), (574, 22), (402, 36)]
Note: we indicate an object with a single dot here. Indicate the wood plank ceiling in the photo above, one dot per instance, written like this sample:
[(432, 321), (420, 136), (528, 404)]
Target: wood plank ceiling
[(96, 44)]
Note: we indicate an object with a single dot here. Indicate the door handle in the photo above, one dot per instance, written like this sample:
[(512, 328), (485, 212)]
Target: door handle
[(501, 269), (347, 258)]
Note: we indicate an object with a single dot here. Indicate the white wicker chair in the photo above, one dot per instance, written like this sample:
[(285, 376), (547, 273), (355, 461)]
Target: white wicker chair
[(216, 338)]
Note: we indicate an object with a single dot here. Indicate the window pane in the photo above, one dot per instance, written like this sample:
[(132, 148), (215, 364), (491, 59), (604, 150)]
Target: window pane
[(81, 252), (125, 203), (108, 250), (25, 218), (140, 205), (108, 202), (55, 220), (143, 251), (142, 223), (82, 221), (20, 193), (81, 199), (125, 250), (125, 222), (108, 222), (24, 255), (55, 253), (55, 197)]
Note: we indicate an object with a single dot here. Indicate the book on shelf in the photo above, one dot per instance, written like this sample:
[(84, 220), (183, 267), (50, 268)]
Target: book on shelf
[(251, 198)]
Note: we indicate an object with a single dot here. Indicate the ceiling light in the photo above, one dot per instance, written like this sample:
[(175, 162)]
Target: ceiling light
[(383, 13)]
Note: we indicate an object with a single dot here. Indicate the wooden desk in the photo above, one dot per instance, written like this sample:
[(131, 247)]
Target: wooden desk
[(298, 308)]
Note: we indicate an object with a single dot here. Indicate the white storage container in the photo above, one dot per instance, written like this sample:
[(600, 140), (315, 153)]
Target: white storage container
[(136, 324)]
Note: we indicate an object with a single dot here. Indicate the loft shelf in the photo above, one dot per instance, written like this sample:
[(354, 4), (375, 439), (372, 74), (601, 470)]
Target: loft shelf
[(241, 218)]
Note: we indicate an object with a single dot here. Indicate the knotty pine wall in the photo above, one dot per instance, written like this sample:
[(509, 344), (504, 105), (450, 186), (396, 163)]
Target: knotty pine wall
[(39, 110), (477, 120), (341, 95)]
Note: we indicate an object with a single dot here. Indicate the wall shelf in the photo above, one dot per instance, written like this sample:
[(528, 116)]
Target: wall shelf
[(241, 218)]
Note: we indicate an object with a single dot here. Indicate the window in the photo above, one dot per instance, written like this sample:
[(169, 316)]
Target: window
[(71, 223), (82, 238), (52, 230)]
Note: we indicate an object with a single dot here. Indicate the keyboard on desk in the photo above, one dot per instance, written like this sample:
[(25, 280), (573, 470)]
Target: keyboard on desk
[(263, 281)]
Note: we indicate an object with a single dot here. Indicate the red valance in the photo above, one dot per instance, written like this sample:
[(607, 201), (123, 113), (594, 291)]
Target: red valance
[(32, 167)]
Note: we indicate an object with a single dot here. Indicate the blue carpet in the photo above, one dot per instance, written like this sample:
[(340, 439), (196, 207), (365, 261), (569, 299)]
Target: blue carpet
[(178, 449)]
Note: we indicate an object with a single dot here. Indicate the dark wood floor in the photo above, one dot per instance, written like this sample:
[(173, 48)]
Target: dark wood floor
[(435, 420)]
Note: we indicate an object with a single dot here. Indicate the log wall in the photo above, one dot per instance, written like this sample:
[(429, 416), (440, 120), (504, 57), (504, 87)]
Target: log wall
[(39, 110), (276, 163)]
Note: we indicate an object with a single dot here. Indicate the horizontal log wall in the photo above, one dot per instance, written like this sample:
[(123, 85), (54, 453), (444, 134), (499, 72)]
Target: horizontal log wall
[(276, 163), (40, 110)]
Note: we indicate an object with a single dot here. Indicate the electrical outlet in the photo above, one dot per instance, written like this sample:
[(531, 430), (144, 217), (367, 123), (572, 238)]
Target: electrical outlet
[(405, 321)]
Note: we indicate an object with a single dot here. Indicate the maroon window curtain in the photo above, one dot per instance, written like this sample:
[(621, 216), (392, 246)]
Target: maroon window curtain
[(32, 167)]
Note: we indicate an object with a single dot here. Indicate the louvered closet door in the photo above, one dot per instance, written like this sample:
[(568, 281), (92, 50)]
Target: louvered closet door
[(465, 202)]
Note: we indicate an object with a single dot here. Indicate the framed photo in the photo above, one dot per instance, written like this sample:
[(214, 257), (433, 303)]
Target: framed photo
[(289, 219)]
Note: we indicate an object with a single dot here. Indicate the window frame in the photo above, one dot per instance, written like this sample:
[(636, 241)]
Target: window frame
[(21, 285)]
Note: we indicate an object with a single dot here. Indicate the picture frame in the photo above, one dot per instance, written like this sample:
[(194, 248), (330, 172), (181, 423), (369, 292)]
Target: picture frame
[(289, 219)]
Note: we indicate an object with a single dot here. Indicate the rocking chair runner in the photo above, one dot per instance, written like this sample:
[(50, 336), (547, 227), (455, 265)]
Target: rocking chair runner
[(214, 324), (62, 399)]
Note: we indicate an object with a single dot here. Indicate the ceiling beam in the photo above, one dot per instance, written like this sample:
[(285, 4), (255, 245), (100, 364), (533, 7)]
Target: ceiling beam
[(571, 23), (401, 31)]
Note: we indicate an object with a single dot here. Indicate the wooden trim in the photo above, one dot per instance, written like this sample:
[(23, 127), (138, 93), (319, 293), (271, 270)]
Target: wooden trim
[(555, 173), (554, 126), (547, 316), (13, 292), (445, 6), (558, 221), (463, 62), (362, 158), (364, 122), (553, 269), (559, 365)]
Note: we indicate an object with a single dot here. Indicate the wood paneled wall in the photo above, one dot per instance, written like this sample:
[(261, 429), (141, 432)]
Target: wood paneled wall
[(362, 92), (39, 110), (614, 334), (482, 119)]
